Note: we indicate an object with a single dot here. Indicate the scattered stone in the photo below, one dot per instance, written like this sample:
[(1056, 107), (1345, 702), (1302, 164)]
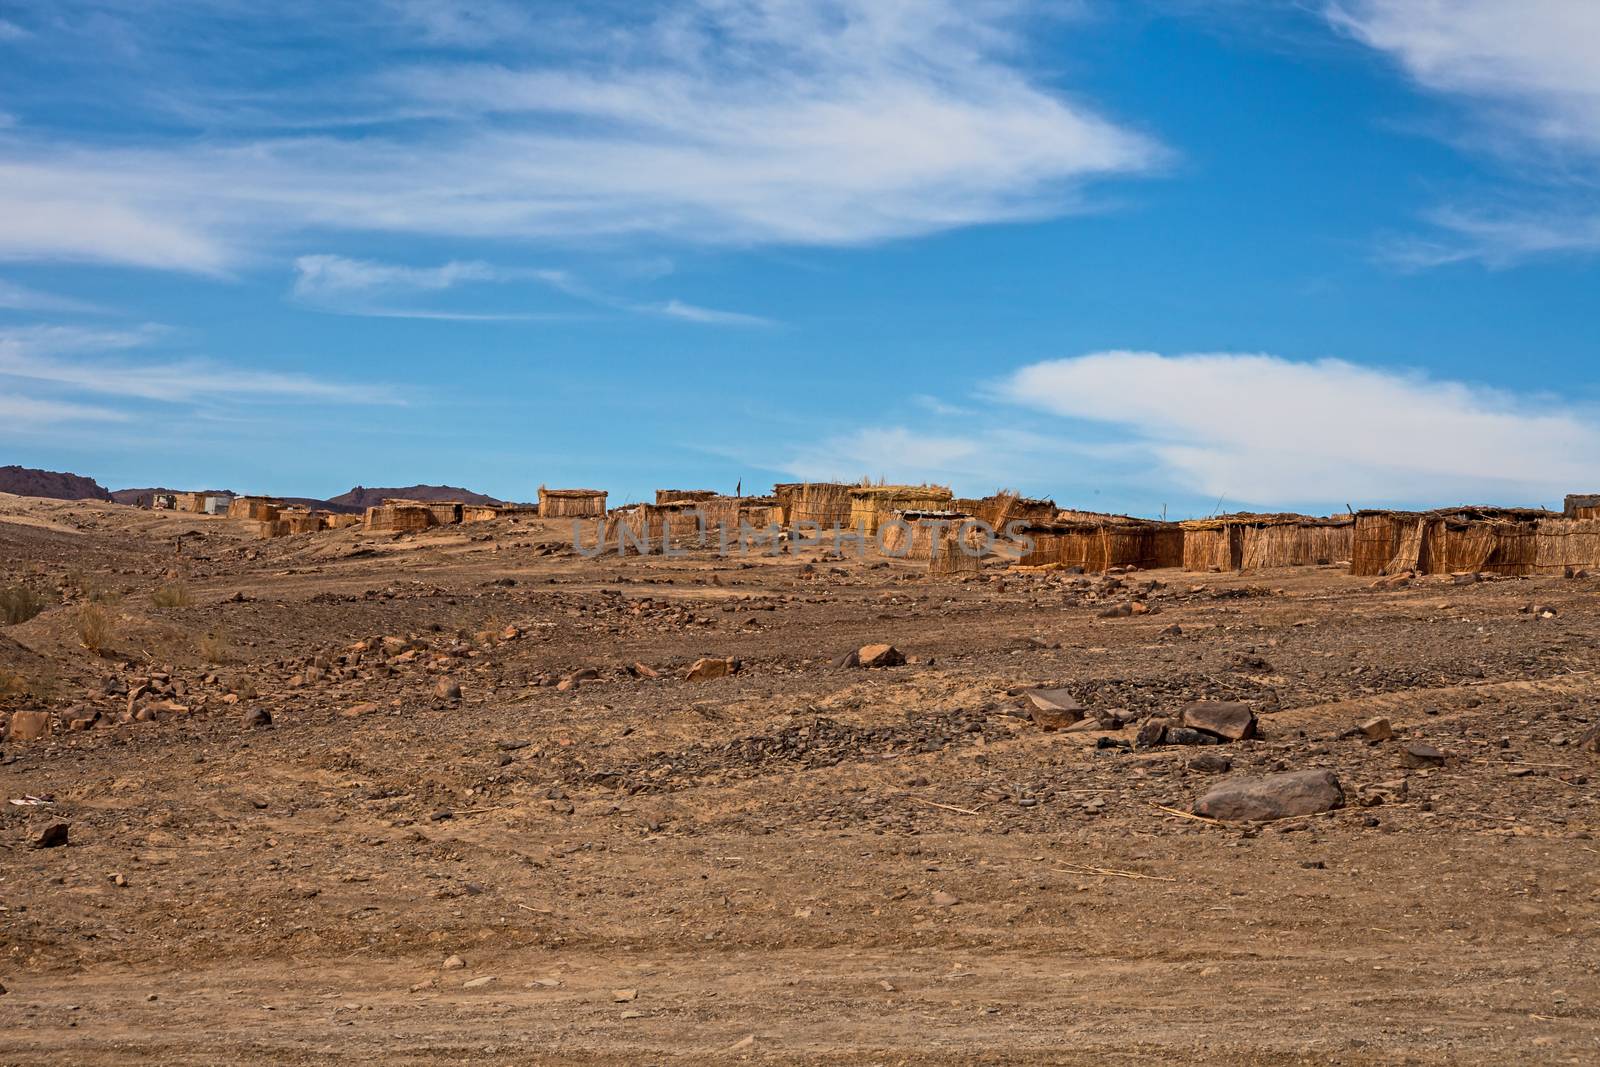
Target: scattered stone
[(1272, 796), (645, 671), (355, 711), (1378, 729), (879, 656), (709, 667), (624, 996), (1228, 720), (28, 725), (848, 659), (1211, 763), (1417, 754), (477, 983), (942, 899), (1117, 611), (1183, 735), (454, 963), (255, 718), (447, 689), (1152, 732), (52, 836)]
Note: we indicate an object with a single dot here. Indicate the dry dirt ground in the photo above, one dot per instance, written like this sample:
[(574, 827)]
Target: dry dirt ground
[(799, 863)]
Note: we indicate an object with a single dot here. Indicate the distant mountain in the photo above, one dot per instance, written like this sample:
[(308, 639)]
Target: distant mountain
[(25, 481), (360, 498)]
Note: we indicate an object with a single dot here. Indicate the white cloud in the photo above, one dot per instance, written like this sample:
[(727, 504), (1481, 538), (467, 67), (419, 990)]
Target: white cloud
[(74, 359), (1265, 431), (1536, 59), (1530, 73), (328, 275), (715, 121), (677, 309), (10, 31)]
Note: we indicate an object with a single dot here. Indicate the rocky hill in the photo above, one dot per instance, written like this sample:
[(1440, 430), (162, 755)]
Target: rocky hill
[(26, 481), (361, 498)]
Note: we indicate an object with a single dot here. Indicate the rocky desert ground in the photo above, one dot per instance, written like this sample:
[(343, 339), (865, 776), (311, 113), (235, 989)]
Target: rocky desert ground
[(467, 796)]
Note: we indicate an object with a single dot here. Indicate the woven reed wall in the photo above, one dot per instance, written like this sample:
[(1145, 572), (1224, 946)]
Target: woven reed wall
[(446, 512), (870, 506), (1564, 543), (1294, 545), (1097, 547), (571, 503), (1213, 547), (479, 513), (825, 503)]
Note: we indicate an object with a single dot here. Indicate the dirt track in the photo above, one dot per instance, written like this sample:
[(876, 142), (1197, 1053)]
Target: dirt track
[(798, 863)]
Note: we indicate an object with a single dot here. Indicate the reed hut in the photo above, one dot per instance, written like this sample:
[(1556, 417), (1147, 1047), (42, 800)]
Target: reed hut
[(446, 512), (571, 503), (761, 512), (1006, 506), (672, 496), (1101, 542), (254, 508), (1581, 506), (1447, 541), (399, 517), (945, 540), (194, 503), (302, 522), (870, 505), (653, 525), (1248, 542), (338, 520), (827, 504)]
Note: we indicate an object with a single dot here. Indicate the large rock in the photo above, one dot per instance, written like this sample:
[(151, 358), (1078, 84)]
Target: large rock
[(1272, 796), (1052, 709), (879, 656), (28, 725), (1228, 720), (1419, 754), (709, 667)]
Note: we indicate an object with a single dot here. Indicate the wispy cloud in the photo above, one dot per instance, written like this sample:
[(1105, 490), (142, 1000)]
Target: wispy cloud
[(10, 31), (20, 298), (18, 411), (369, 287), (728, 122), (677, 309), (1269, 431), (76, 359), (1527, 74)]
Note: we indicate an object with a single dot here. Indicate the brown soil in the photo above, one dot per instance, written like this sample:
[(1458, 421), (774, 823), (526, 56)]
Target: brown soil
[(798, 863)]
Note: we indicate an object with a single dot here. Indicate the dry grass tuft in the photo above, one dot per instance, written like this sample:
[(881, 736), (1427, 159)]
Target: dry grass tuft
[(95, 626), (18, 603), (214, 648), (172, 595)]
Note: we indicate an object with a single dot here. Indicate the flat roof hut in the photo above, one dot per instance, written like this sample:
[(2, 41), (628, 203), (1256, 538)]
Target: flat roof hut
[(571, 503), (1248, 542), (1581, 506), (254, 508), (399, 516), (1100, 542), (870, 505), (1447, 541)]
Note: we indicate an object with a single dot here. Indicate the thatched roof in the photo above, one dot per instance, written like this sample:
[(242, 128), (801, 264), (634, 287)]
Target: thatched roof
[(1466, 513), (1280, 518), (571, 493)]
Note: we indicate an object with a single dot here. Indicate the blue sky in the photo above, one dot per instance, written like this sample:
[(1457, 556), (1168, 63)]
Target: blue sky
[(1170, 254)]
